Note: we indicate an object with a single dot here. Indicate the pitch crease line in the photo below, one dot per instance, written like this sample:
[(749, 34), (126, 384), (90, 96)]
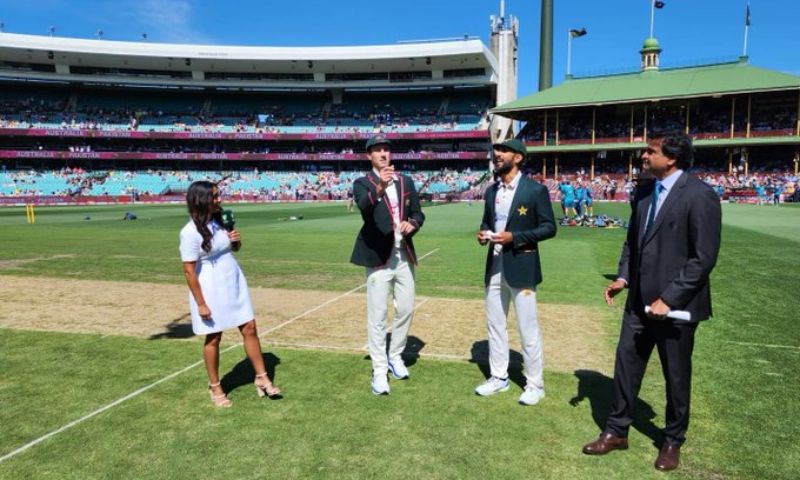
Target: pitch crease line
[(764, 345), (135, 393), (297, 317)]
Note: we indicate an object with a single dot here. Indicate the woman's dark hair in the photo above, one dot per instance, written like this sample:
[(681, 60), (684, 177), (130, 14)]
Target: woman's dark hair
[(200, 200)]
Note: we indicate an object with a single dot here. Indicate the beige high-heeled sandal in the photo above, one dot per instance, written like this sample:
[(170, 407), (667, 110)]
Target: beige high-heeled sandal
[(266, 387), (220, 400)]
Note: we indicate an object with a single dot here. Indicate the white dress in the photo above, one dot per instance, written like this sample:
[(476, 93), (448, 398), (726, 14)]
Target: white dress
[(221, 280)]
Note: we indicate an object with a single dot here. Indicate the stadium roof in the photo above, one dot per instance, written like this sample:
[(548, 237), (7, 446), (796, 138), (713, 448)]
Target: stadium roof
[(666, 84), (430, 56)]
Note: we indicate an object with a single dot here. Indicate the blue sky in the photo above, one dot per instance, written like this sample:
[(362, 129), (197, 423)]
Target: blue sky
[(688, 30)]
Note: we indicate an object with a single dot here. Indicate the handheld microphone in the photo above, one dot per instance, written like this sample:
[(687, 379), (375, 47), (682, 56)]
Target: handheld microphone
[(228, 220)]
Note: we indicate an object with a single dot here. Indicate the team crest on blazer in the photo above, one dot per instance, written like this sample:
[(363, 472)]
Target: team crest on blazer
[(522, 210)]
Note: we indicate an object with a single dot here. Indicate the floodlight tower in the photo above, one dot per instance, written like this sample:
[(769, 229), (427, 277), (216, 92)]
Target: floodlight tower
[(504, 32), (546, 46)]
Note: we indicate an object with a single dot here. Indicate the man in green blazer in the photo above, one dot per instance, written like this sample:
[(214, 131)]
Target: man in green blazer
[(516, 217), (390, 209)]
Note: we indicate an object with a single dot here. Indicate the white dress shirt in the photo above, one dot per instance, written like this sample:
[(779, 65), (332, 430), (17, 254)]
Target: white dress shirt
[(394, 204), (666, 187), (502, 206)]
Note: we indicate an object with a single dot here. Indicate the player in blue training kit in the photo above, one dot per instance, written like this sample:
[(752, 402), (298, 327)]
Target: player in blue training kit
[(587, 200), (567, 198), (761, 194), (580, 193)]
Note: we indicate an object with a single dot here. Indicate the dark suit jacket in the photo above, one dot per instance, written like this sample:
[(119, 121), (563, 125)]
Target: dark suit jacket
[(376, 238), (530, 220), (676, 257)]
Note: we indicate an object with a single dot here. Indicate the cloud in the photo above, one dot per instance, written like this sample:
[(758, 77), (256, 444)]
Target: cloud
[(168, 21)]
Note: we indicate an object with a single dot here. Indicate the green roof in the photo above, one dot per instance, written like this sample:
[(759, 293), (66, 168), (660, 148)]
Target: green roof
[(707, 80)]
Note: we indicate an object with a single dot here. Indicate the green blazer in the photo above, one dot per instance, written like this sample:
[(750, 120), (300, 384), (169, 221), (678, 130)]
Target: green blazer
[(530, 220), (375, 240)]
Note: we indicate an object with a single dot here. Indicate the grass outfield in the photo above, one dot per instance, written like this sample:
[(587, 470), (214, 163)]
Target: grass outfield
[(746, 362)]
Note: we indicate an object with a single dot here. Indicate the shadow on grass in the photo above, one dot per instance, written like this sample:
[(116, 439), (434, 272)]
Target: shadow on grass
[(597, 388), (175, 329), (410, 354), (242, 374), (414, 345), (610, 276), (479, 355)]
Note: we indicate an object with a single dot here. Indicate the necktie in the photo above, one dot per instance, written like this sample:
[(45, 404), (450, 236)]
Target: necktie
[(653, 203)]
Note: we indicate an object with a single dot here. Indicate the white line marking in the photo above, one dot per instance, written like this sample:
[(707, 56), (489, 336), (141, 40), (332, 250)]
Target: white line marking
[(318, 346), (355, 349), (420, 303), (765, 345), (446, 356), (296, 317), (169, 377), (428, 254), (312, 310), (96, 412)]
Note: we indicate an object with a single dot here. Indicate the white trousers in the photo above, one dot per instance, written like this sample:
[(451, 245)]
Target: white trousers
[(498, 296), (397, 276)]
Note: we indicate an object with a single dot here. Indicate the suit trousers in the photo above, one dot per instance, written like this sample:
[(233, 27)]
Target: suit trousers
[(396, 277), (498, 297), (675, 342)]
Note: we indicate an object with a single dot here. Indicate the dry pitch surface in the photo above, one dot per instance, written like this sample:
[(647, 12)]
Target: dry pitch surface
[(573, 336)]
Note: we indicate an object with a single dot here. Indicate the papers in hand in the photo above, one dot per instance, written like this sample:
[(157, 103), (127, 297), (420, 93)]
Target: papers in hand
[(682, 315), (488, 235)]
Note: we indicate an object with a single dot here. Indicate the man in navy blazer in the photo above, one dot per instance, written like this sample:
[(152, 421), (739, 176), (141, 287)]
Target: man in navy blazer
[(671, 247), (391, 212), (517, 216)]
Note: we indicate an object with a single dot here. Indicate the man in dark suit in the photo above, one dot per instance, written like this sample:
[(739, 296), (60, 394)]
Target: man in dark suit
[(390, 208), (517, 216), (672, 245)]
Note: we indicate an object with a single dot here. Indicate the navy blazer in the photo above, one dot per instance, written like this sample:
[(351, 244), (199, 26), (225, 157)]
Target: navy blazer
[(530, 220), (674, 260), (376, 238)]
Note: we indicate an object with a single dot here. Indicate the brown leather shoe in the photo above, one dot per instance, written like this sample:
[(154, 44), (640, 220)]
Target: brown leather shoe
[(668, 457), (605, 443)]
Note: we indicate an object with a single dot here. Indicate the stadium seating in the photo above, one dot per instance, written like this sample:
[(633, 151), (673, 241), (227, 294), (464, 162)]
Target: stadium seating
[(362, 112), (285, 184)]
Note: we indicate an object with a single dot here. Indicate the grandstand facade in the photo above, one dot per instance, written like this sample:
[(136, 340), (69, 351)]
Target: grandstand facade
[(743, 118), (106, 119)]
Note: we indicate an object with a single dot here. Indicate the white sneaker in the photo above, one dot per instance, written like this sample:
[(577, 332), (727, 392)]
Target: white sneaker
[(380, 385), (531, 395), (491, 386), (398, 369)]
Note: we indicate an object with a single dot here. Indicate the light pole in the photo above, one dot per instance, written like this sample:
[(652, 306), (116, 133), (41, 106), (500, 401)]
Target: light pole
[(572, 33)]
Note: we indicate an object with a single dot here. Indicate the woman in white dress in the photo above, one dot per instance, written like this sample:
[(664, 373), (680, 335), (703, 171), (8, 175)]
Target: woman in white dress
[(218, 294)]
